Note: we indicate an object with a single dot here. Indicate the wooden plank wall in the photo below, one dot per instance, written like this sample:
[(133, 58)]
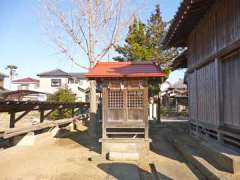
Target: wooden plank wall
[(217, 30), (231, 89), (192, 96), (202, 95), (206, 95)]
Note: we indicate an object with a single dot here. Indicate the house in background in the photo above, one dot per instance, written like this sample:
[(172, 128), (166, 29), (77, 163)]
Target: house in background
[(23, 95), (26, 89), (174, 95), (52, 81), (25, 84)]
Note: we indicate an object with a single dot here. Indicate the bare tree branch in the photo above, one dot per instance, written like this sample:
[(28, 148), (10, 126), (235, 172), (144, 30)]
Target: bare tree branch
[(66, 52), (91, 27), (95, 26), (113, 39), (66, 25)]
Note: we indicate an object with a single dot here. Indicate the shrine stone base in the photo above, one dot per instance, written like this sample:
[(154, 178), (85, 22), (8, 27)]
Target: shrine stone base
[(124, 147)]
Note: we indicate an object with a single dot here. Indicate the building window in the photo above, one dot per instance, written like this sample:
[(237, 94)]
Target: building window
[(56, 82), (71, 81), (23, 87), (115, 99), (135, 99), (74, 81)]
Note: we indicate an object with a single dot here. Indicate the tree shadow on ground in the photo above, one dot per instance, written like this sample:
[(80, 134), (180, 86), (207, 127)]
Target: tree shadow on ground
[(80, 137), (127, 171), (160, 145), (163, 147)]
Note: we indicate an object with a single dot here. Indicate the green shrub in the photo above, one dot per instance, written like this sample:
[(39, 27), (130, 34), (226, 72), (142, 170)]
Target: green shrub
[(167, 111), (62, 95)]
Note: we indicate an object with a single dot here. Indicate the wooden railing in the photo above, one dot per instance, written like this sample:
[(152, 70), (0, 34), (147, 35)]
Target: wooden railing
[(13, 132), (45, 108)]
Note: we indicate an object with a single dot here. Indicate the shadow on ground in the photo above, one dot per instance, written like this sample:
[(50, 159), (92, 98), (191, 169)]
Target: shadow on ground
[(160, 146), (121, 171), (127, 171), (159, 135), (82, 138)]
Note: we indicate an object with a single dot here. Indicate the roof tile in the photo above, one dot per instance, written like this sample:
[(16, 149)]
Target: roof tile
[(124, 69), (25, 80), (55, 72)]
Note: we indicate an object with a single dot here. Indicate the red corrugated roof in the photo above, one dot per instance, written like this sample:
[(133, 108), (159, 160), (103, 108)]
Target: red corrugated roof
[(124, 69), (26, 80)]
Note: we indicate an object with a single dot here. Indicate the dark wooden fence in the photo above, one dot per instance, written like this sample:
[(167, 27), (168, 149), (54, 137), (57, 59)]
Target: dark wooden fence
[(45, 108)]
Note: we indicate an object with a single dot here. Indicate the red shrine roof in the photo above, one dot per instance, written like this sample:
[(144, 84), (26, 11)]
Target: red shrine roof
[(27, 80), (124, 69)]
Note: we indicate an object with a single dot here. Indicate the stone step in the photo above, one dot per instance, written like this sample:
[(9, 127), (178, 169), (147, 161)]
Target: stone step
[(123, 156), (197, 157), (226, 158)]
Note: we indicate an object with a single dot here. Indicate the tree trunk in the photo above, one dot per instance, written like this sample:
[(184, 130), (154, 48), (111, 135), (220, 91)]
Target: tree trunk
[(92, 128)]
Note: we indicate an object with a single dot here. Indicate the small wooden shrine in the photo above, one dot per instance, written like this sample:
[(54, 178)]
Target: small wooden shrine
[(124, 104)]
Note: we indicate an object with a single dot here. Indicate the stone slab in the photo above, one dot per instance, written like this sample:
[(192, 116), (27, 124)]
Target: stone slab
[(27, 140)]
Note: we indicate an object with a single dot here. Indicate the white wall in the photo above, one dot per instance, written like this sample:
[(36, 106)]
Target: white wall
[(31, 87), (80, 95), (45, 84)]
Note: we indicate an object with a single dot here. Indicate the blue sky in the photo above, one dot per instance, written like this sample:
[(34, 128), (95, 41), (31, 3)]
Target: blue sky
[(24, 44)]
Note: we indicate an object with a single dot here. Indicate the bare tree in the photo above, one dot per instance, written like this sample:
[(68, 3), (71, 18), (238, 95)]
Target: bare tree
[(91, 27)]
